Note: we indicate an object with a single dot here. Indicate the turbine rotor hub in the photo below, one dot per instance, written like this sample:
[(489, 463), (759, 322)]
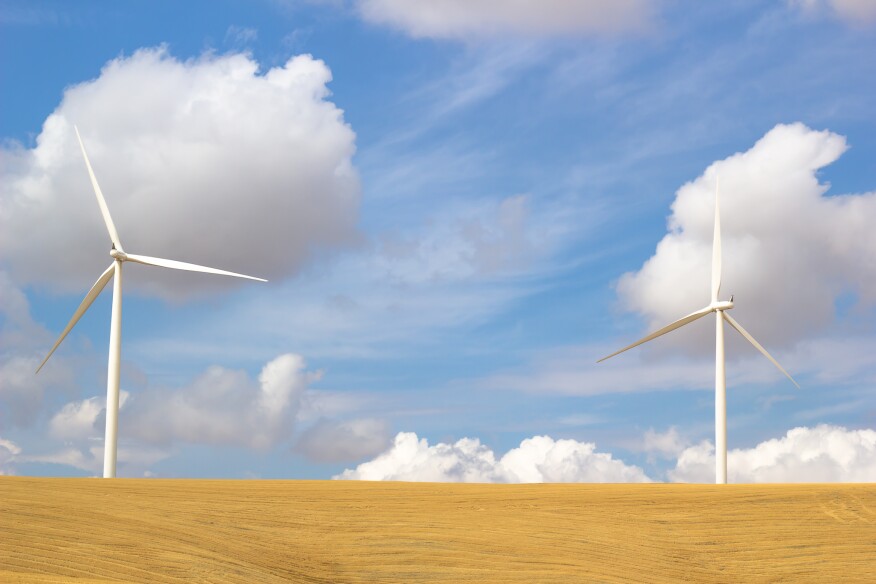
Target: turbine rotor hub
[(118, 254), (722, 305)]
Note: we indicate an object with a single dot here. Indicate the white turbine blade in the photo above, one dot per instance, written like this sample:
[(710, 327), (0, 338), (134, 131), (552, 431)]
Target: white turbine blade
[(150, 261), (716, 249), (104, 210), (83, 306), (668, 328), (757, 346)]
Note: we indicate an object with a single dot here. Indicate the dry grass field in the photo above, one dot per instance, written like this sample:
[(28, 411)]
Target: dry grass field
[(92, 530)]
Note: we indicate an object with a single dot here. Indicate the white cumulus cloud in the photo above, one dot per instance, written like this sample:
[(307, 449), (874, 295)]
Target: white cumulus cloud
[(821, 454), (343, 440), (667, 444), (223, 407), (23, 343), (83, 419), (9, 450), (537, 460), (465, 18), (789, 250), (207, 160), (220, 407)]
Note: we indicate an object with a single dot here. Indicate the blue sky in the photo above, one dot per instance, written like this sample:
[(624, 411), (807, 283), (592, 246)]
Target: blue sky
[(459, 210)]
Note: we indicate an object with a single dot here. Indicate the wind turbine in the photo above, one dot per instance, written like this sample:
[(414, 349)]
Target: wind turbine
[(115, 347), (719, 307)]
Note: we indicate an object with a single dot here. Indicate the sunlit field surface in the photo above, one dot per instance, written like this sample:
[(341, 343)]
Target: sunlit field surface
[(94, 530)]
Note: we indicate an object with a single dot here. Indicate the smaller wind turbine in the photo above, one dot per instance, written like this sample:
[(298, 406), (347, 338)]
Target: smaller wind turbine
[(115, 348), (719, 308)]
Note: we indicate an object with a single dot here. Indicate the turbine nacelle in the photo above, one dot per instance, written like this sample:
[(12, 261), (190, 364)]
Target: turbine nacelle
[(118, 254), (721, 305)]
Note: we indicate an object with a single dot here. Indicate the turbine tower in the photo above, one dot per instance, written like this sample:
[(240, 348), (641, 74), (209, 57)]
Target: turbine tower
[(115, 347), (720, 309)]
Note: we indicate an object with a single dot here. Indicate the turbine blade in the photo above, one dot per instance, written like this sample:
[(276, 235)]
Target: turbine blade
[(668, 328), (716, 249), (150, 261), (83, 306), (757, 346), (104, 210)]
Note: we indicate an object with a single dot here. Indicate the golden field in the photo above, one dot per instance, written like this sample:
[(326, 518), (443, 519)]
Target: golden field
[(94, 530)]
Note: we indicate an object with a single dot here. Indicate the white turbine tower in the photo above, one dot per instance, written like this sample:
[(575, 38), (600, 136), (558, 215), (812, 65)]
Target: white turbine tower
[(719, 308), (115, 347)]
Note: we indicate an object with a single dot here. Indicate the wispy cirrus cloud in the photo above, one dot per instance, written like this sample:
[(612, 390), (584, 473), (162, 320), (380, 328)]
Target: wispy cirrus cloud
[(413, 285), (573, 370), (479, 18), (856, 13)]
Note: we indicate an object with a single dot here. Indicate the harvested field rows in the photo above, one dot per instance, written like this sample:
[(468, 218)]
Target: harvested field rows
[(58, 530)]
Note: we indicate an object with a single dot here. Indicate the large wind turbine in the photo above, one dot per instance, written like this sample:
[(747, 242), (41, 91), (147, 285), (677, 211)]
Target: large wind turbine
[(115, 347), (719, 307)]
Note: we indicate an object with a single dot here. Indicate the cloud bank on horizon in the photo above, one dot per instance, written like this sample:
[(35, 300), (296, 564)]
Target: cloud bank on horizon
[(539, 459), (821, 454), (825, 453)]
